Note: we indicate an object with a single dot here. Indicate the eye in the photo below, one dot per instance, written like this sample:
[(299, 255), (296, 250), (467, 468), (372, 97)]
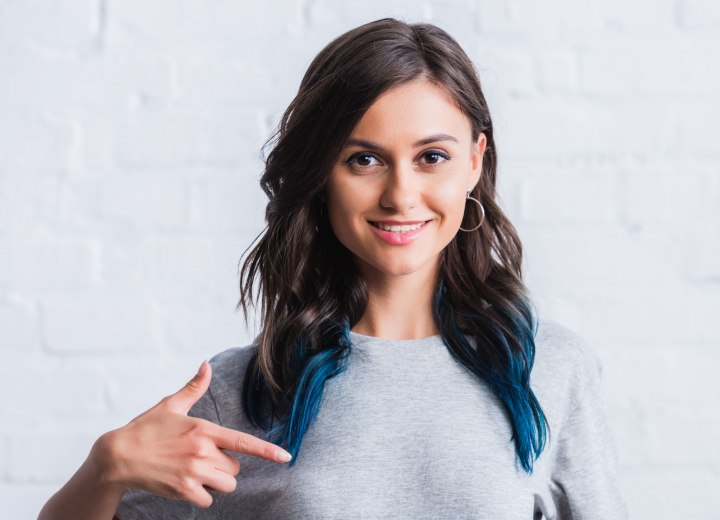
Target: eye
[(362, 160), (434, 157)]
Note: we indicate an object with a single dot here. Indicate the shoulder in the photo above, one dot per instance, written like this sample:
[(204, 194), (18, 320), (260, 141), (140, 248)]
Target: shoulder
[(223, 402), (230, 364), (564, 350), (565, 365), (229, 368)]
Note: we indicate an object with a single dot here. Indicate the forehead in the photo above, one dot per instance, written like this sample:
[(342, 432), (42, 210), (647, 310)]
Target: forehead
[(414, 110)]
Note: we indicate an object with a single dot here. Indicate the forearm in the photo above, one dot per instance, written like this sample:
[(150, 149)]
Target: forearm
[(88, 495)]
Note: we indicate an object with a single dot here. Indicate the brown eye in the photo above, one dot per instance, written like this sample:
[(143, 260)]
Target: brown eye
[(435, 157), (363, 160)]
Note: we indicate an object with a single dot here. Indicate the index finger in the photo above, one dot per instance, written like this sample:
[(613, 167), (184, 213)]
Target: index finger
[(247, 444)]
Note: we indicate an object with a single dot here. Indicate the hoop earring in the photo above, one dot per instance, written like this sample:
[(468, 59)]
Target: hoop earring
[(482, 210)]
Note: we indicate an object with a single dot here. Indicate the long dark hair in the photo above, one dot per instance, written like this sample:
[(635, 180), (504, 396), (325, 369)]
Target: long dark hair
[(311, 292)]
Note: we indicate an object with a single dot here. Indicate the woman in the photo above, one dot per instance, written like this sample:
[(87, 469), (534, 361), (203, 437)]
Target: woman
[(397, 361)]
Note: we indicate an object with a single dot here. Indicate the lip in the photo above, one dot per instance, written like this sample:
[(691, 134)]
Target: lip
[(399, 223), (398, 239)]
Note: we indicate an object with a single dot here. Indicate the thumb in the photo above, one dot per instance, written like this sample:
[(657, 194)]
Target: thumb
[(182, 400)]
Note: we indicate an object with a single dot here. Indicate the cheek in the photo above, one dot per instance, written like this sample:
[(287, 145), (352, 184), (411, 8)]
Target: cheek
[(450, 202), (343, 203)]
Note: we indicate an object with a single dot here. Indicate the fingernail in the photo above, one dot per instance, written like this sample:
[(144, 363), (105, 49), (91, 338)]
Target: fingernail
[(202, 368), (284, 456)]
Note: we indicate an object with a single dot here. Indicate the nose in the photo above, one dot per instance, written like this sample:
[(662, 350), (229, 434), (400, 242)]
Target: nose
[(402, 190)]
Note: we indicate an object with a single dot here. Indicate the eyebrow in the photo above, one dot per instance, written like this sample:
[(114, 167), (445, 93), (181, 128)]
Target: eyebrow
[(422, 142)]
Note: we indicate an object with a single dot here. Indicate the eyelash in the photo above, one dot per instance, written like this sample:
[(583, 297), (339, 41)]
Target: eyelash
[(353, 158)]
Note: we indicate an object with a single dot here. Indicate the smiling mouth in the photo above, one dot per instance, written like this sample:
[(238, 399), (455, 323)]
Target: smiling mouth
[(399, 228)]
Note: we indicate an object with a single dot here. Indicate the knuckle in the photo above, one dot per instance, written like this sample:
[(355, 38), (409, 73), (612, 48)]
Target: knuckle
[(199, 450), (195, 467), (165, 402), (192, 385), (269, 451), (185, 486), (241, 444)]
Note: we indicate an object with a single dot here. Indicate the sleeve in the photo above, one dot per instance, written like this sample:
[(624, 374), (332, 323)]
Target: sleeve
[(141, 505), (584, 482)]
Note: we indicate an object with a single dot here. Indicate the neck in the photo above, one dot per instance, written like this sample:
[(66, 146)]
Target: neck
[(400, 306)]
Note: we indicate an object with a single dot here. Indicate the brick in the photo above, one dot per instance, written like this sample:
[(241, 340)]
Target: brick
[(59, 389), (642, 69), (326, 15), (579, 127), (698, 15), (4, 457), (581, 196), (98, 322), (136, 385), (39, 458), (74, 85), (510, 71), (29, 207), (80, 208), (574, 261), (630, 430), (671, 492), (684, 435), (702, 255), (459, 17), (32, 143), (593, 23), (226, 205), (124, 263), (35, 24), (557, 70), (183, 267), (633, 317), (698, 121), (46, 267), (518, 20), (676, 197), (642, 393), (150, 139), (229, 81), (196, 24), (18, 327), (157, 203), (192, 328)]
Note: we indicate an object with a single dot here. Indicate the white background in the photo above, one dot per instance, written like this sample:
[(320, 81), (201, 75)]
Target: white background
[(129, 162)]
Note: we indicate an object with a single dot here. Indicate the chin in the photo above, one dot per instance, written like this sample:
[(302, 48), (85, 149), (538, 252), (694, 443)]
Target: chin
[(398, 268)]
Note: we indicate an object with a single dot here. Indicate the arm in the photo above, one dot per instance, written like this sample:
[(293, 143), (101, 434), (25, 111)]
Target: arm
[(162, 451), (88, 494), (584, 475)]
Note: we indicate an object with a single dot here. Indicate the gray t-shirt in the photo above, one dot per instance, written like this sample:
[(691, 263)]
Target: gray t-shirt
[(407, 432)]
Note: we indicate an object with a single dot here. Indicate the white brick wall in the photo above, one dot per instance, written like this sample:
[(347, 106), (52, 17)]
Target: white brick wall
[(129, 157)]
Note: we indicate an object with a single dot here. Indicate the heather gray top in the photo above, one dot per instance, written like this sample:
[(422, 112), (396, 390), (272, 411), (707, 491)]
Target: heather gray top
[(408, 432)]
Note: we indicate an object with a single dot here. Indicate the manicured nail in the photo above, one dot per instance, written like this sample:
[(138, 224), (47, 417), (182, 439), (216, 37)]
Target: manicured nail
[(284, 456)]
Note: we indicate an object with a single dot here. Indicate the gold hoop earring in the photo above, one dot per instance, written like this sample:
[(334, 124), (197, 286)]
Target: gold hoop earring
[(482, 211)]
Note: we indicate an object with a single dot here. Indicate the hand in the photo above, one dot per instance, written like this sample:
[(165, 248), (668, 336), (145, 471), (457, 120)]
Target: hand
[(167, 453)]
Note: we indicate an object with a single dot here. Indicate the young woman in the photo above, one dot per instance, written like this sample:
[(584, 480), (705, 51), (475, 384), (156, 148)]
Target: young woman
[(400, 362)]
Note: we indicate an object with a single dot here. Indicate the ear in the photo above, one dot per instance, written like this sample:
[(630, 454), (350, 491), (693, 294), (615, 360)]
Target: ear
[(476, 161)]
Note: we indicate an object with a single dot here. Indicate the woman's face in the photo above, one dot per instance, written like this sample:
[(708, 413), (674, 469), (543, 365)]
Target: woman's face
[(409, 162)]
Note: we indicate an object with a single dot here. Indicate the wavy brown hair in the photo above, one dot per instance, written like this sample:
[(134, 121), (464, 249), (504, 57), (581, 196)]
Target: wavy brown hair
[(309, 288)]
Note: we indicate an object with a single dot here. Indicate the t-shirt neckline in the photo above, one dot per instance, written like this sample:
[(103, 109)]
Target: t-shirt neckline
[(357, 338)]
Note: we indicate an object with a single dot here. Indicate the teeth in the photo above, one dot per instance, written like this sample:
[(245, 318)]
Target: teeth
[(398, 229)]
